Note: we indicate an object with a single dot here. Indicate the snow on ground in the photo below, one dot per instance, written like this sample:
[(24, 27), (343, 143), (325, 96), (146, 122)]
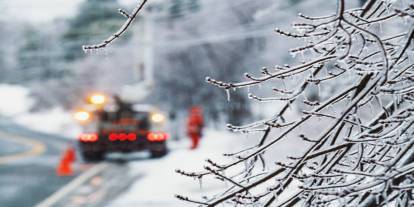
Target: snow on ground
[(16, 104), (160, 182), (15, 100), (52, 121)]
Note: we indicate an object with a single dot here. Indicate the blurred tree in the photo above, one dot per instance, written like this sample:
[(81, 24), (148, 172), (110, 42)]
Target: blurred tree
[(8, 49), (36, 57), (176, 9), (181, 71), (194, 5), (95, 19)]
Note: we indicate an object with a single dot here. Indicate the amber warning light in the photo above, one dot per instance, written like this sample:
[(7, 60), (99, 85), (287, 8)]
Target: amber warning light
[(97, 99)]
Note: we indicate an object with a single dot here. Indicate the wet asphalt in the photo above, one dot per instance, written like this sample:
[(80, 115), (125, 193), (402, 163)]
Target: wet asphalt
[(28, 178)]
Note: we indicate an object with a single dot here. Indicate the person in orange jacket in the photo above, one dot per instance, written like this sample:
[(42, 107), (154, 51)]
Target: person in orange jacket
[(195, 124)]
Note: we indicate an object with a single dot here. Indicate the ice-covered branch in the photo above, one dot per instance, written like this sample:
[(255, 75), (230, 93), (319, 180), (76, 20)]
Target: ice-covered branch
[(367, 127), (130, 18)]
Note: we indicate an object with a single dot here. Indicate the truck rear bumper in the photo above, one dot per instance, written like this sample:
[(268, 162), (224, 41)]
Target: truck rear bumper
[(123, 146)]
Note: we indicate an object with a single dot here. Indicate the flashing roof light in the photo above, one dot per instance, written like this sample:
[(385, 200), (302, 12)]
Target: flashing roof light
[(97, 99)]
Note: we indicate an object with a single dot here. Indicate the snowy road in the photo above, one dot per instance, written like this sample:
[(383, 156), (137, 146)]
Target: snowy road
[(27, 177), (160, 183), (27, 165)]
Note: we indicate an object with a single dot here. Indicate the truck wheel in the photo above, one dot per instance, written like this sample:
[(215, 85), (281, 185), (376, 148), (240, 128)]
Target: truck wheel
[(93, 156)]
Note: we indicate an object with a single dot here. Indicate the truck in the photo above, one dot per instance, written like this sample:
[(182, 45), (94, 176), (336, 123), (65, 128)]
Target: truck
[(112, 125)]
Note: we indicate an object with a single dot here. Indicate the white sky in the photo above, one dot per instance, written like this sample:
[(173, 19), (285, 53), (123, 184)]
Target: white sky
[(38, 10)]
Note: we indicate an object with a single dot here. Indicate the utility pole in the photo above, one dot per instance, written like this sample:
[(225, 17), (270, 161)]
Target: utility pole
[(145, 56), (147, 53)]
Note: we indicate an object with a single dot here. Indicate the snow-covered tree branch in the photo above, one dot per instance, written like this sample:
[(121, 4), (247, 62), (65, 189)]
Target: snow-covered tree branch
[(130, 18), (363, 151)]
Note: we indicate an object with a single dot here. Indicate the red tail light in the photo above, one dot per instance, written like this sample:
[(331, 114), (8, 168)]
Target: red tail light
[(122, 137), (113, 137), (157, 136), (88, 137), (132, 137)]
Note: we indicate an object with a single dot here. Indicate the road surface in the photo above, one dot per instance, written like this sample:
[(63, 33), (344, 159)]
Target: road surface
[(27, 165)]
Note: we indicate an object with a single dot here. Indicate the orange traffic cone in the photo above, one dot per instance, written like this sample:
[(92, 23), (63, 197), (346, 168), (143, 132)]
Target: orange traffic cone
[(65, 165), (64, 169), (70, 154)]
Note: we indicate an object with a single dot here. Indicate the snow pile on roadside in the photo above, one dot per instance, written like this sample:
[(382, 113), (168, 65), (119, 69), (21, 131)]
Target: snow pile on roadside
[(52, 121), (16, 104), (160, 182), (15, 100)]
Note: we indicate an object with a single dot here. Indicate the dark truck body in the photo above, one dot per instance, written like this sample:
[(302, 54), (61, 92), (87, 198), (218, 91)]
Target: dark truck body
[(122, 131)]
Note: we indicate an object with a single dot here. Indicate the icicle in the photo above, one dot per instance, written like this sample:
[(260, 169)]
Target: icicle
[(248, 89), (289, 106), (302, 55), (406, 21), (381, 30), (387, 7), (342, 61), (293, 54), (225, 181), (395, 98), (200, 182), (384, 193), (379, 102), (359, 123), (371, 107), (246, 165), (228, 95), (105, 53), (318, 85), (410, 55), (284, 85), (274, 194)]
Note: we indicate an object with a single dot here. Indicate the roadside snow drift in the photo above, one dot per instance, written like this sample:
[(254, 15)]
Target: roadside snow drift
[(160, 183), (16, 103), (15, 100)]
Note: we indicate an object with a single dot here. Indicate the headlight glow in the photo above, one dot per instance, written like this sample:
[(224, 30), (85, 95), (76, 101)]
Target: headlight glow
[(157, 118), (82, 116)]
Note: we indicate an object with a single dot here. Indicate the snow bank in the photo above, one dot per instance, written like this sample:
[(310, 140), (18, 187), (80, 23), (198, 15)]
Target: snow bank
[(15, 100), (160, 182), (53, 121), (16, 103)]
